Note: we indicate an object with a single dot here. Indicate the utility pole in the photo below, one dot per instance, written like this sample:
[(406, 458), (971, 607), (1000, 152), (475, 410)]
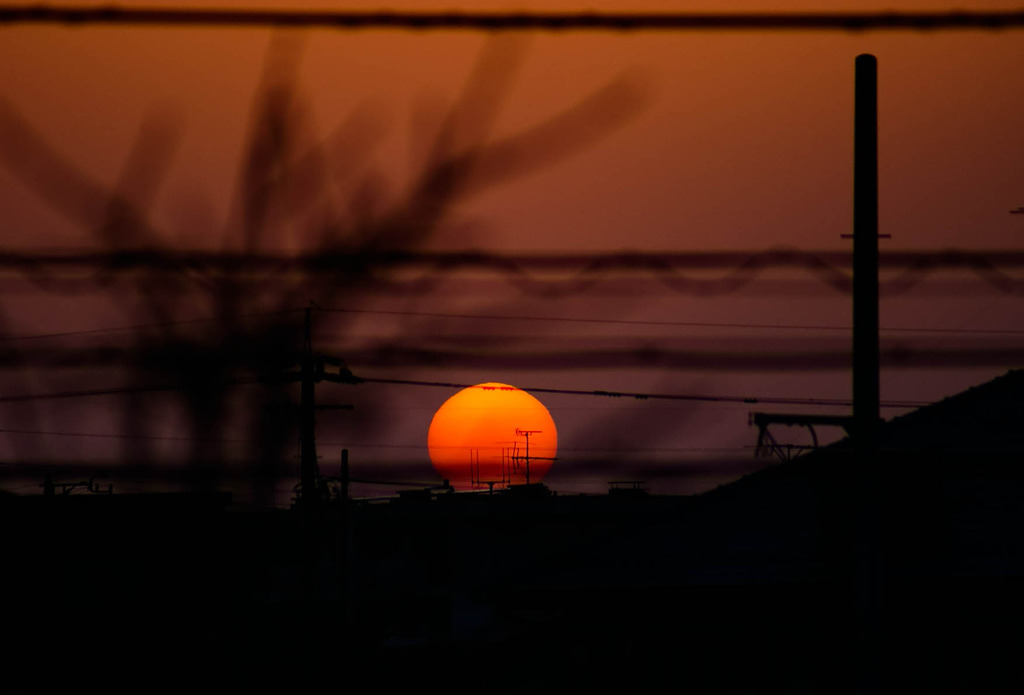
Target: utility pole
[(344, 567), (307, 418), (344, 477), (314, 368)]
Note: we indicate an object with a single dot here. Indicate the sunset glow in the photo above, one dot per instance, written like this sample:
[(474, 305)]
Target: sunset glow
[(606, 211), (478, 437)]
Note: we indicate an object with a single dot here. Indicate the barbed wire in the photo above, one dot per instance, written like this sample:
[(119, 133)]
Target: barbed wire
[(673, 270)]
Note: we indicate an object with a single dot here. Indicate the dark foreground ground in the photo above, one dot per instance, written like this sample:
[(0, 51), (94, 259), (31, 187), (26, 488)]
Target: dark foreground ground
[(508, 594)]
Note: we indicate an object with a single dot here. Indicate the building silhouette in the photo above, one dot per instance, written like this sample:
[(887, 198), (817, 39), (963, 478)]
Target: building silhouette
[(751, 587)]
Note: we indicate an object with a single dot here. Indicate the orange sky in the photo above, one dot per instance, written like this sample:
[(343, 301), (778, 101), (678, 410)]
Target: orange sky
[(738, 140), (711, 160)]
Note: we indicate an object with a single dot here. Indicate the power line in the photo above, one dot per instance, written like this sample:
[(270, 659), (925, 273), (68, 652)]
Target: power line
[(518, 318), (143, 326), (561, 449), (744, 356), (707, 398), (829, 402), (114, 391), (518, 21), (594, 353), (112, 435), (682, 324), (57, 395)]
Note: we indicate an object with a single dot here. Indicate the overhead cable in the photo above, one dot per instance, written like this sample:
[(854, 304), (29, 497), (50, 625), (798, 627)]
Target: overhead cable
[(708, 398)]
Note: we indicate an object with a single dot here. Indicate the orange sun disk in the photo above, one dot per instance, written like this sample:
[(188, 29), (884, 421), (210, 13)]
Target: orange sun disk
[(477, 437)]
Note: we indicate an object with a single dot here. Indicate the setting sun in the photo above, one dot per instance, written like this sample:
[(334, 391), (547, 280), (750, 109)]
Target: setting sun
[(492, 435)]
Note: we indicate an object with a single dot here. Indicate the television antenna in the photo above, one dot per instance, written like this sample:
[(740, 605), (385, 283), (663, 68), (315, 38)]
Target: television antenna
[(516, 458), (477, 480)]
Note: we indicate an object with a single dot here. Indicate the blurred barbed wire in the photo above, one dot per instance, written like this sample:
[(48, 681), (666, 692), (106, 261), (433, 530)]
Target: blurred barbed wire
[(957, 19), (681, 272)]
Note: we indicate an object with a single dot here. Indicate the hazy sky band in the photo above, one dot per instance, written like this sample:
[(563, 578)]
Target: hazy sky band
[(740, 145)]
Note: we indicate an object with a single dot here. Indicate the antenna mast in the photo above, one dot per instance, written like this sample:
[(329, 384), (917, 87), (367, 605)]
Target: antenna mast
[(527, 433)]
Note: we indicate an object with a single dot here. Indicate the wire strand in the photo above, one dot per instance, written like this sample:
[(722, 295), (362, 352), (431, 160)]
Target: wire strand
[(518, 21), (681, 324), (707, 398), (751, 400), (143, 326)]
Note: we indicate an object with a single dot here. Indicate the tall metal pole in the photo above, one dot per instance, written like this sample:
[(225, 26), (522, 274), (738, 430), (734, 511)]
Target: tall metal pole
[(866, 413), (343, 550), (865, 258), (307, 417), (344, 477)]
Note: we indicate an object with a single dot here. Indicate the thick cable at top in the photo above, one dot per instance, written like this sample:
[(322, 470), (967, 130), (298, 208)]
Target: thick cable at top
[(518, 21)]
